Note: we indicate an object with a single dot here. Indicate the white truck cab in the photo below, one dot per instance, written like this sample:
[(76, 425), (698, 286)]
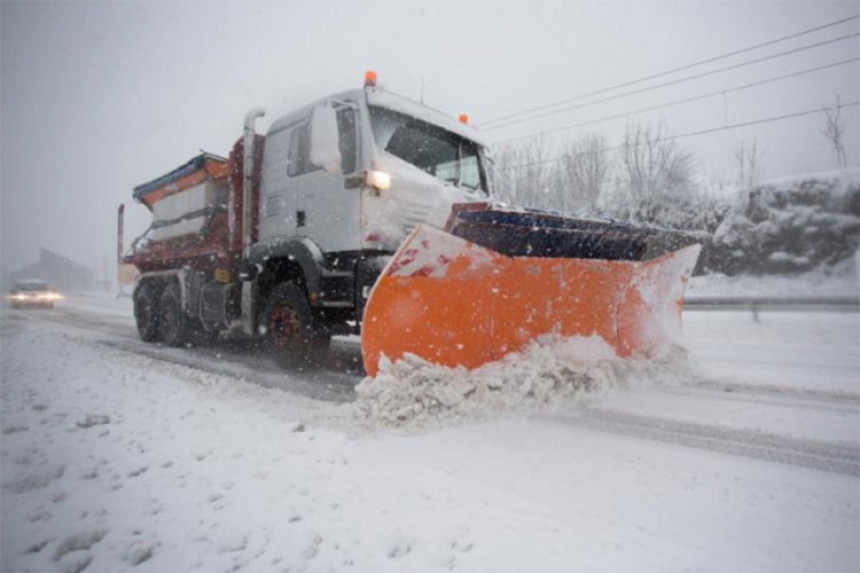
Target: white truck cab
[(359, 170)]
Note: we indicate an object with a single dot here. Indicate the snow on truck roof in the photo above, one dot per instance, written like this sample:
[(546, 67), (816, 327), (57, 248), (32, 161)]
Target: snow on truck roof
[(404, 105)]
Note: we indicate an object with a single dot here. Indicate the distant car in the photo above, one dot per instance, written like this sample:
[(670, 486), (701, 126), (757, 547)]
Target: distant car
[(33, 292)]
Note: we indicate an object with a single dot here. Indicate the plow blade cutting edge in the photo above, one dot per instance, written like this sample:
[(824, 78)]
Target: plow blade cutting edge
[(452, 302)]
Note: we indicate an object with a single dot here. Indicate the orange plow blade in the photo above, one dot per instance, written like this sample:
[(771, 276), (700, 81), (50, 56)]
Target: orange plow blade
[(454, 303)]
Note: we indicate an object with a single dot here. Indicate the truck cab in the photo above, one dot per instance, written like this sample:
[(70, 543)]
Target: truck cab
[(343, 182), (357, 171)]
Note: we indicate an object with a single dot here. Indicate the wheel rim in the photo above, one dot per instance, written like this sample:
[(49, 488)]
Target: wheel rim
[(284, 326)]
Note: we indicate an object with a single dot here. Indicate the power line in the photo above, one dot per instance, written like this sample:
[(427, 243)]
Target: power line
[(683, 101), (691, 134), (678, 81), (673, 70)]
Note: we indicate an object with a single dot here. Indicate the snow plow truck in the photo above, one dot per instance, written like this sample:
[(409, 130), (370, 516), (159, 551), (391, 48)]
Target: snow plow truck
[(368, 213)]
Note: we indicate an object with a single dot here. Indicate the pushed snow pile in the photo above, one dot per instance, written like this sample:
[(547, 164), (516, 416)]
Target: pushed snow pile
[(550, 370), (790, 225)]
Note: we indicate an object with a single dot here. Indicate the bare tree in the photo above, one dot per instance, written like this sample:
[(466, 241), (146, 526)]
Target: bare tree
[(748, 158), (656, 174), (583, 172), (522, 175), (503, 174), (834, 129)]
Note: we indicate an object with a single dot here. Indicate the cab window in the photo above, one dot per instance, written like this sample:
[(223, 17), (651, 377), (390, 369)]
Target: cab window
[(299, 157), (347, 140)]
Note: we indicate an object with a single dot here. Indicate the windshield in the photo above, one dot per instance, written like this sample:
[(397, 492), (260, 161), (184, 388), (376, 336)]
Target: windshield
[(436, 151)]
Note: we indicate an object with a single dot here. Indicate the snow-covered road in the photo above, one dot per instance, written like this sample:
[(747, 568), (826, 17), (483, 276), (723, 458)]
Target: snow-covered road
[(118, 455)]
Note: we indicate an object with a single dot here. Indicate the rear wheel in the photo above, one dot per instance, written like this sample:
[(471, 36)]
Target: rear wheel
[(174, 323), (146, 312), (293, 339)]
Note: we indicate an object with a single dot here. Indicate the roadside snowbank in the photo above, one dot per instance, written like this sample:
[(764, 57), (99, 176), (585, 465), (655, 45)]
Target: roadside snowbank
[(790, 225)]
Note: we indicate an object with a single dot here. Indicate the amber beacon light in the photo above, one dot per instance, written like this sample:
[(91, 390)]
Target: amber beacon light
[(370, 79)]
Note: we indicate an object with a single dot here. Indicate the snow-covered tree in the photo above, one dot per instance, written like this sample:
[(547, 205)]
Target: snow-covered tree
[(748, 158), (523, 175), (583, 171), (656, 176), (791, 225)]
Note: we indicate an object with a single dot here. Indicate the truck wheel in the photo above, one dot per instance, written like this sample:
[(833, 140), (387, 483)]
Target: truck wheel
[(174, 323), (146, 312), (293, 339)]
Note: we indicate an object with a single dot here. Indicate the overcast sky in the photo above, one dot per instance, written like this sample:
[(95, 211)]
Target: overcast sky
[(98, 97)]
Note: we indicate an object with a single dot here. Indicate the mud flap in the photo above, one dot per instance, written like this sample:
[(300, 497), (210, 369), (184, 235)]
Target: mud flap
[(454, 303)]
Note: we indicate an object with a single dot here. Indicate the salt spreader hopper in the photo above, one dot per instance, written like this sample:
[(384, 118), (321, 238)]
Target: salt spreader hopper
[(497, 278)]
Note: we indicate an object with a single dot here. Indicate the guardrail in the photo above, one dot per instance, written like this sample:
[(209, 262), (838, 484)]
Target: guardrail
[(755, 304)]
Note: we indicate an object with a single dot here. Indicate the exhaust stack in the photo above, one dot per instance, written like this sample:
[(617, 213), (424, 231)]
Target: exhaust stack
[(247, 176), (120, 224)]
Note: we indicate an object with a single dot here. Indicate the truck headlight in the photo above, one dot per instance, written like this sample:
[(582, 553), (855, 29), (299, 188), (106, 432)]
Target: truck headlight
[(377, 179)]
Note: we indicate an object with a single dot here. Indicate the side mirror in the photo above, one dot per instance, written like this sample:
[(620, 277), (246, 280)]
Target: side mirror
[(325, 144)]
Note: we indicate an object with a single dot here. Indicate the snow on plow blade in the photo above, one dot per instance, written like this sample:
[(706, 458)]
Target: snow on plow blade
[(453, 302)]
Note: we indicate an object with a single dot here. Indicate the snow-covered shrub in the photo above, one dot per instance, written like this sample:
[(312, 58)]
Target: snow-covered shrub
[(790, 225)]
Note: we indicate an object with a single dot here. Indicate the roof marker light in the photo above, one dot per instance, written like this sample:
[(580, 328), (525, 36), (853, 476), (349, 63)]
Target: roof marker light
[(464, 119), (370, 79)]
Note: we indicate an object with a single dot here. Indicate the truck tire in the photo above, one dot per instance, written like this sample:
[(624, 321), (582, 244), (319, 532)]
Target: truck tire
[(147, 312), (174, 322), (294, 341)]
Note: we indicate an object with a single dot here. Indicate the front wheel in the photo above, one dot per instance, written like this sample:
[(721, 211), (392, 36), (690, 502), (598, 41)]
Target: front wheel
[(293, 339)]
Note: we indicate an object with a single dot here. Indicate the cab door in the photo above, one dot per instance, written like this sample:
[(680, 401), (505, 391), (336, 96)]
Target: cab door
[(278, 204), (327, 203)]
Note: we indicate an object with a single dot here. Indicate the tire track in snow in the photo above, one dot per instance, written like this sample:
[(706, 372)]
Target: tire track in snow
[(334, 383), (774, 391), (825, 456), (796, 399), (318, 384), (114, 325)]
